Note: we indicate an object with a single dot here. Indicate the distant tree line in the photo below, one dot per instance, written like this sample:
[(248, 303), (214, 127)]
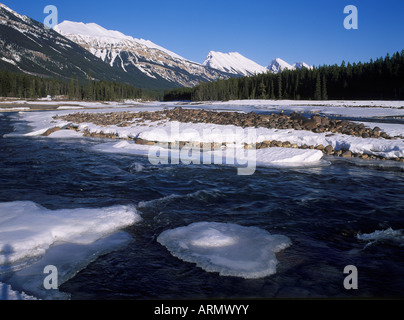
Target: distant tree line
[(382, 79), (25, 86)]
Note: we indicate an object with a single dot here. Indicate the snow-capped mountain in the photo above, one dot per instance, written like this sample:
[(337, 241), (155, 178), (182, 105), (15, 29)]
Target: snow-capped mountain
[(299, 65), (132, 54), (277, 65), (234, 63), (28, 46), (73, 49)]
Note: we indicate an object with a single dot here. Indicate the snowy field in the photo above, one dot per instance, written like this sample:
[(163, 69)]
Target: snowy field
[(298, 105)]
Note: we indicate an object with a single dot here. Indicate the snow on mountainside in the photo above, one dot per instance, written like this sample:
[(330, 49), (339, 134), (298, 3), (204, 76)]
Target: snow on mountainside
[(299, 65), (279, 65), (93, 30), (233, 62), (132, 54), (28, 46), (74, 48)]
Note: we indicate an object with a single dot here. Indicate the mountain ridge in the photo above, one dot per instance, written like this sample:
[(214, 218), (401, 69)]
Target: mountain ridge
[(73, 49), (29, 47), (234, 62), (131, 54)]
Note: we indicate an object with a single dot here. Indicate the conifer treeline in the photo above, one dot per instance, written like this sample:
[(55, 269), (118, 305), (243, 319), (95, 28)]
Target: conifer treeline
[(382, 79), (25, 86)]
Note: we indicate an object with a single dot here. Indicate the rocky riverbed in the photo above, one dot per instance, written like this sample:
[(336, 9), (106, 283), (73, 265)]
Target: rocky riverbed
[(296, 121)]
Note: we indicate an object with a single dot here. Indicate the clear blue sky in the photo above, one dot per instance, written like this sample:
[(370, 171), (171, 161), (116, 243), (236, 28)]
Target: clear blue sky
[(294, 30)]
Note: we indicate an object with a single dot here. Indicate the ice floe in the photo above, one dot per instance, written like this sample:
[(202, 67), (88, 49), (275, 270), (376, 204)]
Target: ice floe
[(388, 234), (32, 237), (229, 249)]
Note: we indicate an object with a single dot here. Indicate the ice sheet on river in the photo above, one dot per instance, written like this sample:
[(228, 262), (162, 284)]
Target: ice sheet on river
[(229, 249), (32, 237), (229, 156)]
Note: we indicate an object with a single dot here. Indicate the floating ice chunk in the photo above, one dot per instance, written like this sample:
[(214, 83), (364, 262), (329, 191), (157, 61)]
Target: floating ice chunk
[(69, 259), (32, 237), (124, 147), (7, 293), (66, 134), (28, 230), (387, 234), (136, 167), (229, 249)]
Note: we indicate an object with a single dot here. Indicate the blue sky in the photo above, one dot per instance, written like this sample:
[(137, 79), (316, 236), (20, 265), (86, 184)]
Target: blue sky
[(294, 30)]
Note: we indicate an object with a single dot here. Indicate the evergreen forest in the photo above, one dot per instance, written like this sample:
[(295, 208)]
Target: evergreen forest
[(382, 79)]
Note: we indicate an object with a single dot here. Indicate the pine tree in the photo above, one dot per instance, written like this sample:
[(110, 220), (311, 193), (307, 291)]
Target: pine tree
[(280, 86), (262, 91), (324, 94), (77, 89), (317, 92), (90, 95), (71, 89), (272, 90)]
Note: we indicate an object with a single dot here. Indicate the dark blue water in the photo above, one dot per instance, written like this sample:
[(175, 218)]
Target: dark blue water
[(320, 209)]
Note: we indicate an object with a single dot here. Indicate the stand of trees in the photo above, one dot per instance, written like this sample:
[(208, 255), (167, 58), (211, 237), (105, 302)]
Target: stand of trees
[(382, 79), (25, 86)]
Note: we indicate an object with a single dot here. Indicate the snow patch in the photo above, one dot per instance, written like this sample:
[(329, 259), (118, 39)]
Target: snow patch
[(93, 30), (279, 65), (233, 62), (9, 61)]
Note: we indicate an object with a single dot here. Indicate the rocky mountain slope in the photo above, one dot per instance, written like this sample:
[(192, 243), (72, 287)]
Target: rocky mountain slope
[(138, 55), (28, 46)]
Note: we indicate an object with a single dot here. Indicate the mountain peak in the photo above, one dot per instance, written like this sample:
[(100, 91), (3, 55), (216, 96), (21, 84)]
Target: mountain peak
[(233, 62), (88, 29), (299, 65), (77, 31), (277, 65), (133, 55)]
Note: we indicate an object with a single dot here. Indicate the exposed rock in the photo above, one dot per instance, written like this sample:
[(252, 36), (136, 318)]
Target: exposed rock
[(295, 121), (144, 142), (347, 154), (328, 150), (320, 147), (310, 125), (50, 131)]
